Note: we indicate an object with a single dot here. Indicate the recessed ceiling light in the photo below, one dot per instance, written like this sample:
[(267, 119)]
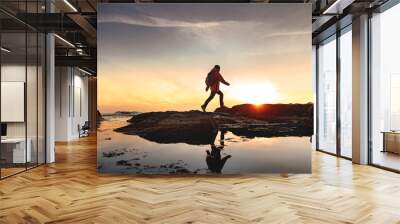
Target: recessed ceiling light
[(70, 5), (337, 7), (5, 50), (84, 71), (64, 40)]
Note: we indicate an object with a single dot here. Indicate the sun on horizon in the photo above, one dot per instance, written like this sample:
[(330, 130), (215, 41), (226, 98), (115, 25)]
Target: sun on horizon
[(256, 93)]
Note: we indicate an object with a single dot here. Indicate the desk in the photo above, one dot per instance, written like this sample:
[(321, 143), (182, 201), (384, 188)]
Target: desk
[(16, 147), (391, 141)]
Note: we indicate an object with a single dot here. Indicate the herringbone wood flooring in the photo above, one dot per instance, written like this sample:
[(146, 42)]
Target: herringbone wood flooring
[(71, 191)]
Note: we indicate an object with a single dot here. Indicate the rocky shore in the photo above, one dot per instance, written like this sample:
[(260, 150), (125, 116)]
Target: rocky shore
[(246, 120)]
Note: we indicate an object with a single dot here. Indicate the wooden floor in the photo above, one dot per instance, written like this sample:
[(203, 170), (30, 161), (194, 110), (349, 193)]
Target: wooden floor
[(5, 172), (71, 191), (387, 159)]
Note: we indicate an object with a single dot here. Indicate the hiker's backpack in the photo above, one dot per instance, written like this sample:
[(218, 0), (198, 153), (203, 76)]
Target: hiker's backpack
[(210, 80)]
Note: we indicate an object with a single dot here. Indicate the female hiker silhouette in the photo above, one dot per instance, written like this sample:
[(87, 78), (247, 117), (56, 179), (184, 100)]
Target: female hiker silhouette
[(212, 82)]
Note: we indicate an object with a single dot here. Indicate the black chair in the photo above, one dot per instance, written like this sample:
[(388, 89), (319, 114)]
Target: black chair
[(84, 130)]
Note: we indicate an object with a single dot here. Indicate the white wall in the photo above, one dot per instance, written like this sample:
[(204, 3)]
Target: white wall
[(80, 111), (62, 82), (16, 73), (71, 102), (33, 126), (13, 101)]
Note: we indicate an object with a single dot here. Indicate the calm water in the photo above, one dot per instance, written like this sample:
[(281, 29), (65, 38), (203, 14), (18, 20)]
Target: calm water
[(121, 153)]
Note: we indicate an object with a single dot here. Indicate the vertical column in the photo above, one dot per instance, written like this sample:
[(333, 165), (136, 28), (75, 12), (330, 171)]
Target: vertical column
[(50, 99), (360, 89), (63, 113), (50, 92), (314, 85), (338, 91), (92, 100)]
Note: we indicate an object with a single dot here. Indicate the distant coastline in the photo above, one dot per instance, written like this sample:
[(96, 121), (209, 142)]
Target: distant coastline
[(283, 109), (121, 113)]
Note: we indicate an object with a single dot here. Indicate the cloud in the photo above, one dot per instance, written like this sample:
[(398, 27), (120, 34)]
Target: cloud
[(151, 21), (287, 34)]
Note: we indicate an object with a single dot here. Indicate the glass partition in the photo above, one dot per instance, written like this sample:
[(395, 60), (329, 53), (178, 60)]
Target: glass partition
[(327, 95), (22, 91), (31, 97), (41, 97), (13, 94)]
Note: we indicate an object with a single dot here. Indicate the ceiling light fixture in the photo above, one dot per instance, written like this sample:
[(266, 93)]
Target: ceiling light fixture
[(337, 7), (84, 71), (79, 51), (70, 5), (65, 41), (5, 50)]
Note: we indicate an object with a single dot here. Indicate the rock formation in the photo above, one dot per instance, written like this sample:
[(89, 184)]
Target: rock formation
[(246, 120)]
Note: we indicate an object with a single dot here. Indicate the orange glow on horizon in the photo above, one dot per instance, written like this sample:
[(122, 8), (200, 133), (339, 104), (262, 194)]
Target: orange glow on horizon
[(256, 93), (145, 92)]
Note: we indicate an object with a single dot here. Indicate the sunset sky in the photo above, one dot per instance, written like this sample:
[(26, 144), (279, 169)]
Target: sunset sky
[(155, 57)]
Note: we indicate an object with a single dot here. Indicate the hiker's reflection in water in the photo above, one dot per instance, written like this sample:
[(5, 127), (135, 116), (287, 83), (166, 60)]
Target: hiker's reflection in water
[(214, 161)]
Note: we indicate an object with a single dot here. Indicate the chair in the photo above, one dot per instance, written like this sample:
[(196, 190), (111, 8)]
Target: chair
[(84, 130)]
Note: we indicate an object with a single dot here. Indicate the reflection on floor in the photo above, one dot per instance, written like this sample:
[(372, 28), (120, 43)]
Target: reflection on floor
[(387, 159), (71, 191), (11, 169)]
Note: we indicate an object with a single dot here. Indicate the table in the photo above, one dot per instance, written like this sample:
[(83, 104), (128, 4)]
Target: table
[(16, 147), (391, 141)]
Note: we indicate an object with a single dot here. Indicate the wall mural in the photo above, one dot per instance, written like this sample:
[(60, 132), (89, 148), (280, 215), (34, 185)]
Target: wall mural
[(204, 88)]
